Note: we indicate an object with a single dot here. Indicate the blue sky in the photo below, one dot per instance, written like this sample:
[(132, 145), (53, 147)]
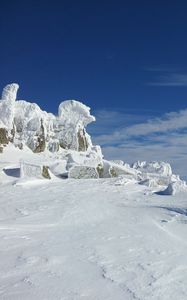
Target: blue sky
[(124, 59)]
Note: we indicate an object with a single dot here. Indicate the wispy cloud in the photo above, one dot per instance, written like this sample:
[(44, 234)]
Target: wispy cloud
[(173, 79), (166, 75), (108, 120), (163, 138), (169, 122)]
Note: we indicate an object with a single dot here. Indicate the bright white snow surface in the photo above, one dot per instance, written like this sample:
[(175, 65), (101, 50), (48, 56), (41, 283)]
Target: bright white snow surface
[(94, 239)]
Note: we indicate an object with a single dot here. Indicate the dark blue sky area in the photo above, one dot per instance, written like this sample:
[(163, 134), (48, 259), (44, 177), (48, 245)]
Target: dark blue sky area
[(108, 54)]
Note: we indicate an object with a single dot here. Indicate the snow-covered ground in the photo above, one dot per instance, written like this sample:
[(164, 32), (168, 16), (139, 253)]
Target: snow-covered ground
[(91, 239)]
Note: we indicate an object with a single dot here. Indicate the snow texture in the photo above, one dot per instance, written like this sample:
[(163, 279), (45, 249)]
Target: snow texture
[(83, 172), (88, 239)]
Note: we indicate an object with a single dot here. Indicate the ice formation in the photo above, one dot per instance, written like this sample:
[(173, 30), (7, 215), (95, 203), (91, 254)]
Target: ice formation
[(7, 105), (28, 125), (74, 117), (64, 139), (161, 168)]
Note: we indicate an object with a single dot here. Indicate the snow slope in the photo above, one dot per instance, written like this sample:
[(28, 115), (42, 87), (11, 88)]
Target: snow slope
[(91, 239)]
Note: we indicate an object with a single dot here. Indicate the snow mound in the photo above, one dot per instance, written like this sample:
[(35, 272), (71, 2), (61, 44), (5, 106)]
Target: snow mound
[(160, 168), (149, 182), (154, 174), (124, 180), (175, 187)]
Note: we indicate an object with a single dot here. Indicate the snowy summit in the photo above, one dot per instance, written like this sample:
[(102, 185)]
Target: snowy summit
[(75, 225)]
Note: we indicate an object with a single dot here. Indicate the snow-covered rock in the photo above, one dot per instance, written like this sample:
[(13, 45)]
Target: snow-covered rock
[(73, 119), (26, 124), (28, 170), (160, 168), (10, 92), (7, 105), (64, 139), (154, 173), (58, 168), (92, 158), (83, 172), (111, 169)]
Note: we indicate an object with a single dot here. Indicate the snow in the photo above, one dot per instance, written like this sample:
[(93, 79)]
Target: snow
[(31, 125), (175, 187), (10, 92), (74, 236), (74, 116), (89, 239), (75, 112), (83, 172), (112, 169), (7, 105), (161, 167)]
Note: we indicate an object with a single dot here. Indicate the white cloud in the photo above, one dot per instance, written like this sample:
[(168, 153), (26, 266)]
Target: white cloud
[(108, 120), (173, 121), (163, 138)]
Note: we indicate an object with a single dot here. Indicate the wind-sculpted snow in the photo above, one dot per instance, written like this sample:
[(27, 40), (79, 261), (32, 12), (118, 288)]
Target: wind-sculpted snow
[(161, 168), (74, 112), (27, 125), (10, 92), (74, 116), (64, 145), (7, 105)]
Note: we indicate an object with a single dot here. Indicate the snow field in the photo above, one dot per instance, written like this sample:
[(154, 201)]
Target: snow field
[(91, 239)]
